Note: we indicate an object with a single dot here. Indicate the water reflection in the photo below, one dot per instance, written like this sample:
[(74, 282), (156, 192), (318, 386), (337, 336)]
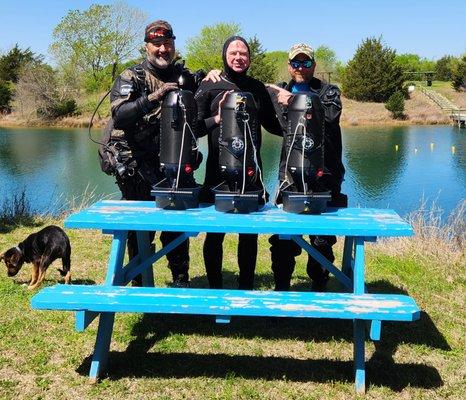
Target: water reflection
[(374, 159), (458, 151), (52, 165)]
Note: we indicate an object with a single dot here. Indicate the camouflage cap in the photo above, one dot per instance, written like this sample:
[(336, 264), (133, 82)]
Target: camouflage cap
[(301, 48), (158, 30)]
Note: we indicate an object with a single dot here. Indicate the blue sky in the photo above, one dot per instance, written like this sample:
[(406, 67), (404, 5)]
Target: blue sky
[(428, 28)]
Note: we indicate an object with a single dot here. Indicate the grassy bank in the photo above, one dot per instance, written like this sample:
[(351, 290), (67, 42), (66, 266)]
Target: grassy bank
[(187, 357), (419, 110)]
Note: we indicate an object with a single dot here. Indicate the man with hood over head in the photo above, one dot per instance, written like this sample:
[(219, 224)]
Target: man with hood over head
[(210, 96)]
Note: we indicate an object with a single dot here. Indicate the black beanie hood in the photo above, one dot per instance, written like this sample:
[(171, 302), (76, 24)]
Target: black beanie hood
[(234, 76)]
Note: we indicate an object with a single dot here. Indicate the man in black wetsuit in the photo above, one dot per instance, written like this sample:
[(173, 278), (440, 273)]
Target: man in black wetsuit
[(301, 66), (136, 99), (209, 97)]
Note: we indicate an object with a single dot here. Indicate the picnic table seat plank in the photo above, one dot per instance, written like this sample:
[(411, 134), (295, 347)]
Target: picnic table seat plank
[(224, 302)]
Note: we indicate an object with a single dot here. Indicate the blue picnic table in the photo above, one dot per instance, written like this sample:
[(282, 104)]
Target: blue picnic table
[(357, 225)]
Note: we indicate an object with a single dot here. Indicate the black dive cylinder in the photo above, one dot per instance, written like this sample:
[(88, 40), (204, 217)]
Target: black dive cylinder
[(178, 151), (304, 142), (239, 124)]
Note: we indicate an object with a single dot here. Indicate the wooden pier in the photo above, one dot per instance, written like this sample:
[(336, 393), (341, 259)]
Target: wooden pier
[(459, 117)]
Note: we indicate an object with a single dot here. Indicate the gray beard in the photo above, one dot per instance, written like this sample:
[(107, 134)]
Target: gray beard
[(158, 62)]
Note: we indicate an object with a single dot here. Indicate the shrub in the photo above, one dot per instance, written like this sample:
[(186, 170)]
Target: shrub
[(405, 90), (40, 93), (16, 211), (459, 74), (5, 96), (396, 104), (372, 74), (65, 107), (58, 109)]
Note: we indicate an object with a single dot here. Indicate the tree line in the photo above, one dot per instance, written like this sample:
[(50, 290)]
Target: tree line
[(92, 47)]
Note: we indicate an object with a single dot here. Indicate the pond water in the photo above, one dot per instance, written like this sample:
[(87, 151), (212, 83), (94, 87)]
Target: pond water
[(385, 167)]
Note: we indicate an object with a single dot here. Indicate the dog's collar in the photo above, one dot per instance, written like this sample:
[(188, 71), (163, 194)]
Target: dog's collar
[(17, 248)]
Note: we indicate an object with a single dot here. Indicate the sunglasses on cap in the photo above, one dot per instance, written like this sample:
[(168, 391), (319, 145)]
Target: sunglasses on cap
[(305, 64)]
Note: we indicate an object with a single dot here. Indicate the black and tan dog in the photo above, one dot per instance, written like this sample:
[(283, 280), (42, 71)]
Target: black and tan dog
[(41, 248)]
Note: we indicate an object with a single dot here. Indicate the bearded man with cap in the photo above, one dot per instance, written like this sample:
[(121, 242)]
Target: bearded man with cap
[(136, 98), (210, 97), (301, 66)]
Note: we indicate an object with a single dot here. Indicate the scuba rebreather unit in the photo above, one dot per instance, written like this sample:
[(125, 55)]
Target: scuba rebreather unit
[(179, 155), (303, 144), (242, 187)]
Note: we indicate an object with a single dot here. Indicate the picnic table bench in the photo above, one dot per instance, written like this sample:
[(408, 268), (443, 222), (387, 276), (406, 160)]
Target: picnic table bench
[(357, 225)]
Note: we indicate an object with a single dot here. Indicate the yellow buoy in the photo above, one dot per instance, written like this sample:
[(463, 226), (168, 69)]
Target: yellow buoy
[(431, 146), (453, 149), (396, 147)]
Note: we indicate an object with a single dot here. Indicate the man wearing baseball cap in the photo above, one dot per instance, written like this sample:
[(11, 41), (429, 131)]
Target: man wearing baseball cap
[(301, 66), (136, 98)]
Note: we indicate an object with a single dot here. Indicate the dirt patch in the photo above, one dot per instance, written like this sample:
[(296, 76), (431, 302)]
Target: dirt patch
[(419, 110)]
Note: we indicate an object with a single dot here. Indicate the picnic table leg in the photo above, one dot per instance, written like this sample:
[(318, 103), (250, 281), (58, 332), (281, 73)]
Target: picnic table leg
[(359, 328), (347, 261), (359, 286), (106, 320), (115, 273), (145, 252), (102, 345)]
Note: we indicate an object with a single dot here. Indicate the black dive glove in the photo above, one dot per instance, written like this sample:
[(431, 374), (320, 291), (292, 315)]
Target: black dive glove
[(158, 95)]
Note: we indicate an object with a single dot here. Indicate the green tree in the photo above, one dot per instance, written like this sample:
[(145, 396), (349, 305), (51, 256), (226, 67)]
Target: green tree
[(427, 65), (261, 68), (279, 60), (396, 105), (204, 51), (372, 74), (459, 74), (11, 63), (414, 66), (409, 62), (101, 36), (326, 59), (340, 69), (444, 68)]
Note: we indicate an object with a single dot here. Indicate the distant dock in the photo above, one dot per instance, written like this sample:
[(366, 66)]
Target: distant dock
[(459, 117)]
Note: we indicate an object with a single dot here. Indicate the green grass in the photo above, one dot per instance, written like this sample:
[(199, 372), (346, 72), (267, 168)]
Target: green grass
[(190, 357)]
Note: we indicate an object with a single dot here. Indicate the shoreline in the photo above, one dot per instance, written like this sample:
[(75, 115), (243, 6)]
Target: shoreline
[(419, 110), (83, 122)]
